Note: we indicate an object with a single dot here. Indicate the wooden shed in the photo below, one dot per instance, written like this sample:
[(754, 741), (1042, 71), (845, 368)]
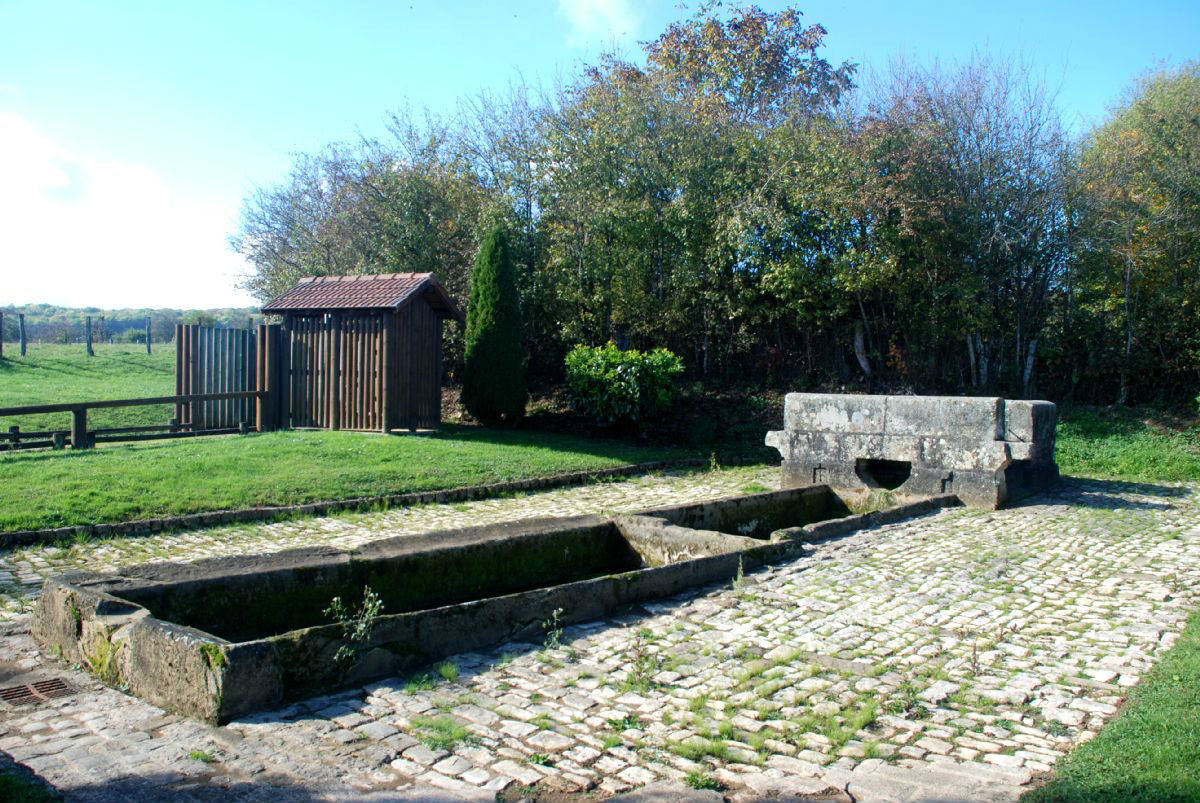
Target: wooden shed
[(363, 352)]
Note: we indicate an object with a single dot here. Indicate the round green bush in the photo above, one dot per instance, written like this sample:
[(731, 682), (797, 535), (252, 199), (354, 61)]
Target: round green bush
[(611, 386)]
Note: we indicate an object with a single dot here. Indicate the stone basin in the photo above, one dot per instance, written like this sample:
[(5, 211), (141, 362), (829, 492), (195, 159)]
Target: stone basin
[(219, 638)]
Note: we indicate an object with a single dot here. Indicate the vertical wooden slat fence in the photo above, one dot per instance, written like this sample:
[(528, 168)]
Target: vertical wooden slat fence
[(212, 360)]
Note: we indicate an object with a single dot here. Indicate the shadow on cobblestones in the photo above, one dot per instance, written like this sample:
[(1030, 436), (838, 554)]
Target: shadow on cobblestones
[(167, 786), (1108, 494)]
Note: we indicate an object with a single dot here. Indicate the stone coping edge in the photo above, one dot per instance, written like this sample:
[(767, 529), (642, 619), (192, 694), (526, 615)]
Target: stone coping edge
[(216, 518)]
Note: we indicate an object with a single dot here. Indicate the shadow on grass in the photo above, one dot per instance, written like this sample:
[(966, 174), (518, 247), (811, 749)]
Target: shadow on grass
[(612, 448)]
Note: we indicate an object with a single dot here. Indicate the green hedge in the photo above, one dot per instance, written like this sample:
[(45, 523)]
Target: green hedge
[(611, 386)]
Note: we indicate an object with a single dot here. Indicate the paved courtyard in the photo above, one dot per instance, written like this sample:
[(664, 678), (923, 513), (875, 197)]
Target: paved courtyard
[(952, 656)]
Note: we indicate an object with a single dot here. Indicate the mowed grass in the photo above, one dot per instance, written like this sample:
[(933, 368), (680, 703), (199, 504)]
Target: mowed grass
[(50, 374), (1115, 443), (1151, 751), (121, 482)]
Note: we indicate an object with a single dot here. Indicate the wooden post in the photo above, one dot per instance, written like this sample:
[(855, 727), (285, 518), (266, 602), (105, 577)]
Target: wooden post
[(267, 405), (21, 330), (79, 433), (335, 373), (179, 374), (60, 441), (385, 370), (87, 329), (14, 436), (147, 334), (1, 335), (286, 375)]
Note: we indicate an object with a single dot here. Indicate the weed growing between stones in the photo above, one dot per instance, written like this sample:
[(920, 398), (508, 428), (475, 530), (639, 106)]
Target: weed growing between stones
[(541, 759), (553, 630), (202, 756), (628, 722), (418, 683), (699, 748), (448, 670), (702, 780), (102, 661), (739, 579), (440, 733), (356, 625), (643, 664)]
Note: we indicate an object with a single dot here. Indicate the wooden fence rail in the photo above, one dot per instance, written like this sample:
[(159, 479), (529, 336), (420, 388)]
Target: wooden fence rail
[(81, 438)]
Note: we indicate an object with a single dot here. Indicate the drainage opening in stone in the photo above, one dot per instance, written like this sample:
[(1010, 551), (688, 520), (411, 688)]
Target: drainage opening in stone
[(887, 474), (39, 692)]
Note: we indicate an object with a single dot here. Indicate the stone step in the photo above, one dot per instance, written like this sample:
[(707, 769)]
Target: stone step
[(886, 783)]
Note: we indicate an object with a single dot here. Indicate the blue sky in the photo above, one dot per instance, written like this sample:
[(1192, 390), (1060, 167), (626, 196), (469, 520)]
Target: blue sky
[(130, 132)]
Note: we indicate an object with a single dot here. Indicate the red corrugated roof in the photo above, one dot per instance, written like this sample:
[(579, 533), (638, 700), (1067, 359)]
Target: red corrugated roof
[(372, 291)]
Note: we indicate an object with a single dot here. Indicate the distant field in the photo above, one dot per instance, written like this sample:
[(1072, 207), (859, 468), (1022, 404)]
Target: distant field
[(51, 373)]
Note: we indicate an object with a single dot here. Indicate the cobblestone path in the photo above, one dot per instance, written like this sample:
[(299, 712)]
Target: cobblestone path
[(23, 570), (950, 656)]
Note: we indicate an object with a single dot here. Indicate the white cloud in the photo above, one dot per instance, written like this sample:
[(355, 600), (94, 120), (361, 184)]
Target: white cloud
[(599, 21), (82, 231)]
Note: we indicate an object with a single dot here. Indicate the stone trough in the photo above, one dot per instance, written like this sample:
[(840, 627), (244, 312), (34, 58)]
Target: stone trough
[(222, 637), (983, 450)]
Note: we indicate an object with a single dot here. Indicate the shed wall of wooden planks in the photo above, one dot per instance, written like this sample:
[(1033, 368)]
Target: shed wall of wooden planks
[(338, 377)]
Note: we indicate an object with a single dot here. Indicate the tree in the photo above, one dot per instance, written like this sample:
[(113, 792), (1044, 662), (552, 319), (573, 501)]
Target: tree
[(493, 388), (408, 203), (967, 201), (1142, 232)]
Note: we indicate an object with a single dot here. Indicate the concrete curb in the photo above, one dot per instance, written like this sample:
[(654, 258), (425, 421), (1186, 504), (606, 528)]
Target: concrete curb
[(193, 521)]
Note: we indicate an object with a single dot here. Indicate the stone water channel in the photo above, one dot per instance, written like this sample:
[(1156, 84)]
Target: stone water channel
[(974, 649)]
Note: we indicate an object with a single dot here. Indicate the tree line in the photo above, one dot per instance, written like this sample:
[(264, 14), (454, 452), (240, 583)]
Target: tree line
[(772, 217), (49, 323)]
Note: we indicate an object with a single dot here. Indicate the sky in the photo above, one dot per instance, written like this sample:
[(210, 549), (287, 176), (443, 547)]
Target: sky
[(132, 132)]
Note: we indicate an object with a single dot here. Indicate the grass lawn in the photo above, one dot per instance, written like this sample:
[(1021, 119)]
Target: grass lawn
[(1128, 445), (128, 481), (1151, 751), (49, 374)]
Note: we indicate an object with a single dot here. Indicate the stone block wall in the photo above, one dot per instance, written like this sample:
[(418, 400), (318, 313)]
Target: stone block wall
[(979, 448)]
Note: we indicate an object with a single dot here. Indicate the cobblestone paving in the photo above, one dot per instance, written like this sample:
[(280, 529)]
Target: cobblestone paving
[(951, 657), (23, 570)]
